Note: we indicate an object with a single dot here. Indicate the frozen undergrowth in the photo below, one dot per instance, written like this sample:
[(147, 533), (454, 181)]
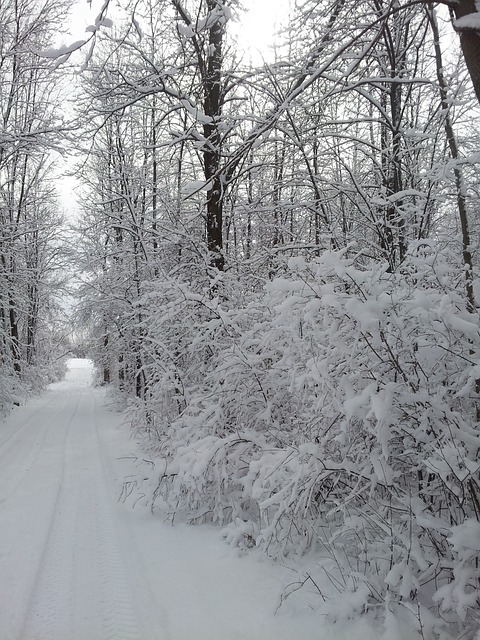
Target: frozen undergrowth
[(334, 417), (15, 388)]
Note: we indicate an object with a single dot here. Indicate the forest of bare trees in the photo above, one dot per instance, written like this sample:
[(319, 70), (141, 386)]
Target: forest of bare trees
[(33, 257), (277, 269)]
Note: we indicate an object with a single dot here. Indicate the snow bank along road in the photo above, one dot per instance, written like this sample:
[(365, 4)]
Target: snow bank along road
[(77, 565)]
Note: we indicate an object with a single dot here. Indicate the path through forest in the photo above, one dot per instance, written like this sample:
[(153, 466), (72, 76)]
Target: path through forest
[(75, 564)]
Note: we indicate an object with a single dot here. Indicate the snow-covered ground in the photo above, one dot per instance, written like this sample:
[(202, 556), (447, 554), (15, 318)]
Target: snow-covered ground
[(77, 564)]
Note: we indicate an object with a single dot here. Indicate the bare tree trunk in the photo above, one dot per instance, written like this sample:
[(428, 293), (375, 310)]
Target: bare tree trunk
[(457, 171), (212, 104), (106, 368), (469, 39)]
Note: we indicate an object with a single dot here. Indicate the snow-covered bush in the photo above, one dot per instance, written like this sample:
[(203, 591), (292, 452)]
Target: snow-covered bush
[(11, 391), (337, 413), (16, 387)]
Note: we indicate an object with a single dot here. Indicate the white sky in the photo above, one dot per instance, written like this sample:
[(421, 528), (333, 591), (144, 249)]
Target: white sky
[(258, 23), (255, 30)]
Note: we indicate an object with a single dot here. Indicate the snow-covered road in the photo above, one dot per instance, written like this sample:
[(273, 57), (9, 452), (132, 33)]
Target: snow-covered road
[(77, 565)]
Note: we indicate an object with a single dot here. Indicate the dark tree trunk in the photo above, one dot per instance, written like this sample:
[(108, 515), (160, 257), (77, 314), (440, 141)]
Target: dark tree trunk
[(457, 171), (212, 105), (106, 368), (470, 41), (32, 319), (14, 337)]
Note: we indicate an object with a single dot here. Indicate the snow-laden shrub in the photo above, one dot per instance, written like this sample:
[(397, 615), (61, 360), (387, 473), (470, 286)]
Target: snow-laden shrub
[(15, 388), (12, 391), (182, 331), (336, 414)]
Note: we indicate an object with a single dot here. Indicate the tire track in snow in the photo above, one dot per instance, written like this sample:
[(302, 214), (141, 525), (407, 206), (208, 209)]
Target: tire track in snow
[(154, 617), (50, 611), (119, 620), (31, 495), (34, 443), (82, 590), (20, 424)]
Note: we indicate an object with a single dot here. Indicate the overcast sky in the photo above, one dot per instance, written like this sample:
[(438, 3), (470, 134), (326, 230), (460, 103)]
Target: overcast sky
[(255, 30)]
